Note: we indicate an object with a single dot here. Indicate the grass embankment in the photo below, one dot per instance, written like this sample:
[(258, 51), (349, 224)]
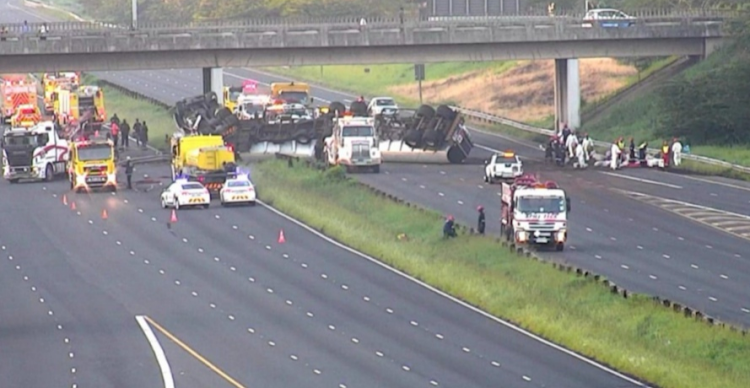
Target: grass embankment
[(159, 121), (375, 80), (634, 335), (639, 118)]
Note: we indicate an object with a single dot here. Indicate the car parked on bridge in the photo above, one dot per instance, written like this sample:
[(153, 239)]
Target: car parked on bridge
[(607, 18)]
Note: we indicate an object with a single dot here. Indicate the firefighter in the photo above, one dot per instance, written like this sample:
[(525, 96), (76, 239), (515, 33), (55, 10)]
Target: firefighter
[(480, 220), (642, 153), (114, 130), (549, 150), (665, 153), (449, 228), (565, 133), (129, 172), (632, 150), (125, 131), (115, 119)]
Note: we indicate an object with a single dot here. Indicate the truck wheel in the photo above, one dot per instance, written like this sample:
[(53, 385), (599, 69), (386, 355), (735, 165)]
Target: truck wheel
[(49, 173), (426, 111), (445, 112), (560, 247)]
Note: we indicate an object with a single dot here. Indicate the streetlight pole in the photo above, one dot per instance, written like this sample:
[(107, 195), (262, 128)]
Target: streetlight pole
[(134, 24)]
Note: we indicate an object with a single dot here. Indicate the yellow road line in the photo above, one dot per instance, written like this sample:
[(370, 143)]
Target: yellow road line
[(195, 354)]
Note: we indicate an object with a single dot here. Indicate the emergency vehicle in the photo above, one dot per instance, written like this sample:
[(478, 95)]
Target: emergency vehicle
[(534, 212), (201, 158), (506, 165), (353, 144), (16, 90), (72, 104), (251, 106), (92, 165), (292, 92), (238, 190), (36, 153), (184, 193), (26, 116), (53, 81)]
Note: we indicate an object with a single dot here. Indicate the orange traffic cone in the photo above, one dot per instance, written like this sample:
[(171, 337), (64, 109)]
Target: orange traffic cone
[(282, 239), (65, 200), (72, 206), (104, 214), (173, 219)]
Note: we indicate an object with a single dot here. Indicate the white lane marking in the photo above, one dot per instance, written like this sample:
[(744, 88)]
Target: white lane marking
[(715, 182), (724, 276), (166, 371), (641, 180), (454, 299)]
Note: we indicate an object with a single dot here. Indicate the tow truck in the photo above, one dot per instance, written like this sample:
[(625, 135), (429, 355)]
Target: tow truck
[(16, 90), (506, 165), (534, 212), (353, 144), (292, 92), (36, 153), (201, 158), (92, 166)]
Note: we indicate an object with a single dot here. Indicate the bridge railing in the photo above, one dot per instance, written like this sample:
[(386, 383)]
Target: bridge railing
[(647, 16), (493, 119)]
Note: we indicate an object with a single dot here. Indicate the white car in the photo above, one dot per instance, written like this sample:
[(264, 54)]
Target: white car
[(183, 193), (237, 191), (506, 165), (382, 106), (607, 18)]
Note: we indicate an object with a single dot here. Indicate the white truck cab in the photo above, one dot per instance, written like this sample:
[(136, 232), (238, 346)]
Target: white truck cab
[(36, 153), (506, 165), (353, 144), (382, 106), (535, 213)]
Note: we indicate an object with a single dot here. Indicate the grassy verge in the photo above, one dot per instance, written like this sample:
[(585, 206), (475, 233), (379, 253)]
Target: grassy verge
[(159, 121), (634, 335)]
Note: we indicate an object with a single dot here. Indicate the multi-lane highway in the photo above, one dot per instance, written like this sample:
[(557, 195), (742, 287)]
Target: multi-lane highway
[(640, 246), (119, 299)]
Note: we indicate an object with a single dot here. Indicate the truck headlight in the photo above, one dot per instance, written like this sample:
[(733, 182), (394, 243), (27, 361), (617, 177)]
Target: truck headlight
[(81, 180), (522, 236), (561, 235), (112, 178)]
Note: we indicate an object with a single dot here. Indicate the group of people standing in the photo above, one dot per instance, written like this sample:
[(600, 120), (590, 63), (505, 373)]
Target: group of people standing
[(567, 145), (120, 132)]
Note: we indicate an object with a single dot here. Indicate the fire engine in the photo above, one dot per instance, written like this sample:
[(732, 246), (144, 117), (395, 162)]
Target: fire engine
[(353, 144), (52, 82), (16, 90), (26, 116), (534, 212), (36, 153), (73, 104), (92, 165)]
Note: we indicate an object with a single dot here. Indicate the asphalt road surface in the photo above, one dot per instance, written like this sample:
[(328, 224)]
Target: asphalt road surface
[(642, 247), (102, 291)]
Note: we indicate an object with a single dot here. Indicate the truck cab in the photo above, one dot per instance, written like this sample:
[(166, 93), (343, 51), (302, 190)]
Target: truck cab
[(505, 165), (202, 158), (292, 92), (353, 144), (36, 153), (92, 166), (535, 213)]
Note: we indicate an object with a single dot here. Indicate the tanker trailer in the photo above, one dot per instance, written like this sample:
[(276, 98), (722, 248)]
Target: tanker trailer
[(430, 136)]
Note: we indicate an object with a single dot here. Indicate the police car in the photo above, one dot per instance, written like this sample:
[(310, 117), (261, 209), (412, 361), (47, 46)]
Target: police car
[(506, 165), (238, 190), (182, 193)]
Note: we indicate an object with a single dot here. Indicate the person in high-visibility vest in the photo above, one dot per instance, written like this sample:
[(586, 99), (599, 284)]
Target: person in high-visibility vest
[(665, 153)]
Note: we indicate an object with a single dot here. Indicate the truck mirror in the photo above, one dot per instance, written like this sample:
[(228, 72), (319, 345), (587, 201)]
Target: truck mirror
[(567, 204)]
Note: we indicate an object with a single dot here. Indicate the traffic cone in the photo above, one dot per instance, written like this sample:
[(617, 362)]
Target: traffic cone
[(65, 200), (173, 219), (72, 206), (282, 239), (104, 214)]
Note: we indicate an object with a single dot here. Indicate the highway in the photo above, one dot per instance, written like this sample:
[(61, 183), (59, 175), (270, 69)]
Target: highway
[(678, 258), (119, 299)]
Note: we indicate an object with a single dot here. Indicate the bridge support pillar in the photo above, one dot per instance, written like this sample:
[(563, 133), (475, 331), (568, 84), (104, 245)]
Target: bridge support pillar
[(567, 94), (213, 81)]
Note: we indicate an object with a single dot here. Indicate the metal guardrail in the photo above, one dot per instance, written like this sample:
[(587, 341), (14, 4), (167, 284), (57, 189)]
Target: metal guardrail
[(493, 119), (645, 16)]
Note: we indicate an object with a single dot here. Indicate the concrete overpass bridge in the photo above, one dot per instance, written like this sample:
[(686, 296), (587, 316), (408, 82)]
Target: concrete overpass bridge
[(85, 46)]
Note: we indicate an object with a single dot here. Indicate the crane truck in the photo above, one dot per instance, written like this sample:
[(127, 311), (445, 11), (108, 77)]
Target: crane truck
[(534, 212), (202, 158)]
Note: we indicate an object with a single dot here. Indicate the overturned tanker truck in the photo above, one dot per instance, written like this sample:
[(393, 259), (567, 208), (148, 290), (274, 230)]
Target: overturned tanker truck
[(428, 135)]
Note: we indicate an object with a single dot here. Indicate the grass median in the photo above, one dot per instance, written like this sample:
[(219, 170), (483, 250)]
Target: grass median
[(158, 119), (633, 335)]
